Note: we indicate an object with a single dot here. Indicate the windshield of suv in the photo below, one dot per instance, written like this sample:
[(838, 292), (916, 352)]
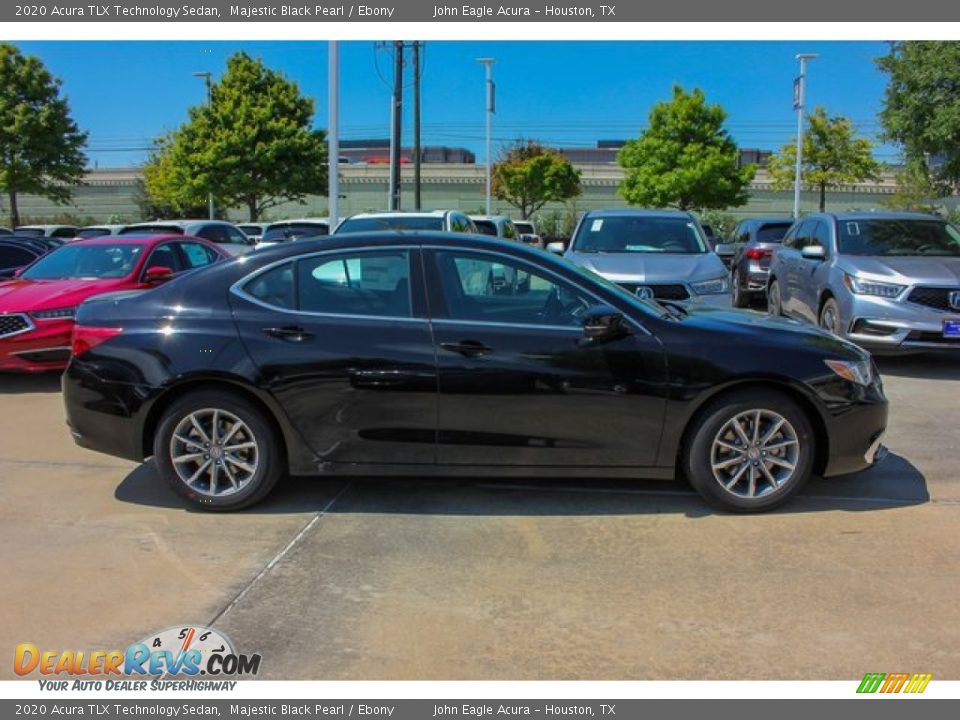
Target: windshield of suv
[(897, 237), (391, 222), (152, 230), (85, 261), (639, 234), (772, 232), (294, 231)]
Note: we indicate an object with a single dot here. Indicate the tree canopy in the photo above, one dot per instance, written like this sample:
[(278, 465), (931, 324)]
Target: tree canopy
[(685, 159), (252, 145), (41, 147), (531, 175), (833, 155)]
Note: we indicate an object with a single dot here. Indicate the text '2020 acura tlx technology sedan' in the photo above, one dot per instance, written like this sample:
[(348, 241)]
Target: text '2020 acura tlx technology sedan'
[(393, 354)]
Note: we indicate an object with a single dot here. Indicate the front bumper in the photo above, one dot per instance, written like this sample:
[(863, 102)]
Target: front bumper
[(891, 326), (44, 347), (856, 433)]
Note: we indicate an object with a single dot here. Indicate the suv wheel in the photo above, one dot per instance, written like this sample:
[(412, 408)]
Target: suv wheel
[(218, 451), (749, 451), (774, 306), (740, 298), (830, 316)]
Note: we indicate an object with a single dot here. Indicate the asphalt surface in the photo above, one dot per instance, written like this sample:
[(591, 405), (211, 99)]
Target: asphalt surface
[(368, 579)]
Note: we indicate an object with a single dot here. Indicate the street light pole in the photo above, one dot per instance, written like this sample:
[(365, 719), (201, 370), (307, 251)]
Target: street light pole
[(799, 104), (208, 81), (487, 63), (333, 131)]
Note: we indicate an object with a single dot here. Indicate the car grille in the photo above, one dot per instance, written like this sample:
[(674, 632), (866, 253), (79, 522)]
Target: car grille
[(935, 297), (13, 324), (661, 292)]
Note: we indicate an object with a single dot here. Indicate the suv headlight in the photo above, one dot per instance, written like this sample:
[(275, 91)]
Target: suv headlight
[(859, 372), (871, 287), (67, 313), (713, 286)]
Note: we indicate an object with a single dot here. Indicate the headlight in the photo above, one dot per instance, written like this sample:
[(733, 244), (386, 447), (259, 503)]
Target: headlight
[(714, 286), (870, 287), (67, 313), (859, 372)]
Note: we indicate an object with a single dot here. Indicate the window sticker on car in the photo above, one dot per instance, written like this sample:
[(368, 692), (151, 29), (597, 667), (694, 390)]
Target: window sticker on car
[(853, 228), (596, 225)]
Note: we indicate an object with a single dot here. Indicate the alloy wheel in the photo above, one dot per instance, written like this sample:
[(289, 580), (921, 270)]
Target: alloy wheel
[(828, 318), (214, 452), (755, 453)]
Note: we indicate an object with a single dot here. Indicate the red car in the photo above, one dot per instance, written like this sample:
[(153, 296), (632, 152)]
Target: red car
[(37, 307)]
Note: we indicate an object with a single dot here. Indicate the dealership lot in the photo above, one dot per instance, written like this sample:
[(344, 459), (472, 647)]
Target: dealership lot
[(580, 579)]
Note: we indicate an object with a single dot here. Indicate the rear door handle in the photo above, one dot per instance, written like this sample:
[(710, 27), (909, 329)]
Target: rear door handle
[(467, 348), (291, 333)]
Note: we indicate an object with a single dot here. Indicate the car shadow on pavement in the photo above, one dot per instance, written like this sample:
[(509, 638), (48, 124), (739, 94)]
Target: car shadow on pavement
[(24, 383), (894, 483), (939, 366)]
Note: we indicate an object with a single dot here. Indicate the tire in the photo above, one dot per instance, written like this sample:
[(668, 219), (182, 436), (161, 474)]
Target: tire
[(740, 298), (829, 319), (250, 463), (773, 482), (774, 304)]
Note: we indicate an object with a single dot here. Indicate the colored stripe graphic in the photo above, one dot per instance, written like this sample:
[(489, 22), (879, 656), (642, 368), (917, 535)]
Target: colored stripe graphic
[(894, 682)]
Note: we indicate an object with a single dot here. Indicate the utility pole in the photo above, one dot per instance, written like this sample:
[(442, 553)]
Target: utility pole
[(396, 130), (208, 81), (487, 63), (416, 125), (799, 104), (333, 131)]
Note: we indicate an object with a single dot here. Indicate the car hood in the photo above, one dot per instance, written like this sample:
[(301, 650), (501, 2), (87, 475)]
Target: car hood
[(650, 268), (904, 270), (31, 295)]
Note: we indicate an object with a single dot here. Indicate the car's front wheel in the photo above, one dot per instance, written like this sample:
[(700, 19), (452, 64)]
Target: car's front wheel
[(749, 451), (830, 316), (218, 451), (740, 298), (774, 301)]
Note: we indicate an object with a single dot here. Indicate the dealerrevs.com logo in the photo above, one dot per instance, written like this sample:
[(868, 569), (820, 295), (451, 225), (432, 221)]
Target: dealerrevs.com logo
[(887, 683), (176, 651)]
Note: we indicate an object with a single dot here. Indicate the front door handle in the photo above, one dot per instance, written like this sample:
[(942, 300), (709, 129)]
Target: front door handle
[(291, 333), (467, 348)]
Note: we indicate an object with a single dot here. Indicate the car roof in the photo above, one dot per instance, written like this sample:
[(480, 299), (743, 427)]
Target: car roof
[(879, 214), (401, 213), (491, 218), (317, 220), (637, 212), (769, 219)]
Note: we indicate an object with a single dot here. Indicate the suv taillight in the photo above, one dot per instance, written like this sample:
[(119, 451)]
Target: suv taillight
[(757, 253), (87, 338)]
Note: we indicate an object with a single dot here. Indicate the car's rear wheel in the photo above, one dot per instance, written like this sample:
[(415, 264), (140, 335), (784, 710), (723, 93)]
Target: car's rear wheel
[(830, 316), (749, 451), (740, 298), (774, 302), (218, 451)]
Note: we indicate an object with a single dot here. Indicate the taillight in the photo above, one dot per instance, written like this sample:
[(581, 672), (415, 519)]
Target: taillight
[(87, 338), (757, 253)]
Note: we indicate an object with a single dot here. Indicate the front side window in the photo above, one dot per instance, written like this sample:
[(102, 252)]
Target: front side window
[(165, 255), (639, 234), (85, 261), (368, 283), (884, 236), (497, 289)]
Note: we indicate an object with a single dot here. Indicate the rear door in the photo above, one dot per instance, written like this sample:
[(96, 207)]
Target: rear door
[(342, 340), (809, 275), (517, 385)]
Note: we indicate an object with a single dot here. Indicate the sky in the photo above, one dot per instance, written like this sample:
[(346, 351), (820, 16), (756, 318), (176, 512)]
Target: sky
[(562, 93)]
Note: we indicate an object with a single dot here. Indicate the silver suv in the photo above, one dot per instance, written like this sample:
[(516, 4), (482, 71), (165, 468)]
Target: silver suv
[(887, 281)]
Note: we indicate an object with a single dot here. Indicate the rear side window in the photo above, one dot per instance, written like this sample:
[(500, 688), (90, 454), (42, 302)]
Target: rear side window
[(197, 255), (274, 287), (486, 227), (214, 233), (772, 232), (369, 283)]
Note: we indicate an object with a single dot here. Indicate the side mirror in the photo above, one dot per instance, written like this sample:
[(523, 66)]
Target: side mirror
[(556, 248), (813, 252), (157, 274), (723, 249), (602, 323)]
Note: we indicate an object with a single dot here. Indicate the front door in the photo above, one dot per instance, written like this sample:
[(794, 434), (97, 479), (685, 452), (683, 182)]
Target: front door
[(343, 343), (519, 387)]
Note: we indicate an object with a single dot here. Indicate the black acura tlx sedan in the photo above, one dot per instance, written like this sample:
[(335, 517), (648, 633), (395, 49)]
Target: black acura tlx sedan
[(438, 354)]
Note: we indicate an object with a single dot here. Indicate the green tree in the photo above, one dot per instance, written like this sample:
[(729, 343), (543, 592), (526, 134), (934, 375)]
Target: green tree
[(530, 175), (41, 147), (921, 108), (916, 190), (833, 155), (253, 146), (685, 159)]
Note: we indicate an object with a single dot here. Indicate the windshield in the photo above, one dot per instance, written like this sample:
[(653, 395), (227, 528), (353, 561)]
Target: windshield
[(897, 237), (85, 261), (152, 230), (391, 222), (92, 232), (772, 232), (293, 231), (29, 231), (249, 230), (485, 227), (639, 234)]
